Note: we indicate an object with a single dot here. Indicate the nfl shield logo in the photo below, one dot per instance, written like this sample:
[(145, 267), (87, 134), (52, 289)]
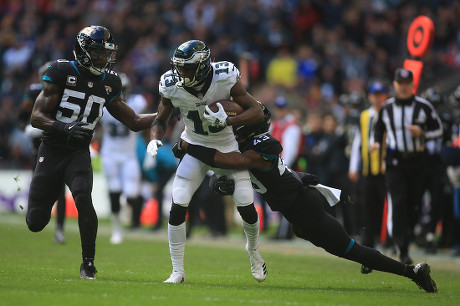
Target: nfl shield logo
[(90, 84), (40, 159)]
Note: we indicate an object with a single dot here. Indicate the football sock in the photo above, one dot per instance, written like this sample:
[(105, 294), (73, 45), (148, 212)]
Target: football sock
[(115, 201), (176, 236), (376, 260), (60, 209), (252, 234), (116, 225), (87, 223), (136, 205)]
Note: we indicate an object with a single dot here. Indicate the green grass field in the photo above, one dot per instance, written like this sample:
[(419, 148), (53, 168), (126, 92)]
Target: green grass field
[(35, 271)]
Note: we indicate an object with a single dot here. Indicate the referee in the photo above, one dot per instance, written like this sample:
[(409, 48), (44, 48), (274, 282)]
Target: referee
[(407, 121)]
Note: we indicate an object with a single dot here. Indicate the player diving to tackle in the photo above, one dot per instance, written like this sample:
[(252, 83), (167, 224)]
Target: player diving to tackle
[(193, 83), (296, 196)]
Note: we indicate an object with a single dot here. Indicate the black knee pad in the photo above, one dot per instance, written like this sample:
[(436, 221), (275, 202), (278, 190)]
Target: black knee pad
[(115, 201), (40, 221), (248, 213), (177, 214), (37, 227)]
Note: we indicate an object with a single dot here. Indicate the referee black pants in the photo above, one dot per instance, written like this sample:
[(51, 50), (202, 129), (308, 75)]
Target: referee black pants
[(373, 195), (404, 179)]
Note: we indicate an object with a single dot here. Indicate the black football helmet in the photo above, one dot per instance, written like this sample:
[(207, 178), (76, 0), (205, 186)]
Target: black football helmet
[(433, 95), (95, 49), (192, 62), (246, 132)]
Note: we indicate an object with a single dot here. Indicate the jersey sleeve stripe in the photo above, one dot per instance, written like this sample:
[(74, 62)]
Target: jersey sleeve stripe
[(47, 79), (73, 64), (119, 94)]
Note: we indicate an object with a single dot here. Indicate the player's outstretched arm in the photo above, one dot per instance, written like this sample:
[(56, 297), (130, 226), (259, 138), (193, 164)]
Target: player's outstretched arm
[(158, 127), (126, 115), (233, 160)]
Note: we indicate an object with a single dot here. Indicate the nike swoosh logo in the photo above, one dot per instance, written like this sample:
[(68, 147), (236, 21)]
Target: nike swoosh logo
[(71, 126)]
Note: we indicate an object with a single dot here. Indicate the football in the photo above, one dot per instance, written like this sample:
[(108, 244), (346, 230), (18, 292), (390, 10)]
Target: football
[(231, 108)]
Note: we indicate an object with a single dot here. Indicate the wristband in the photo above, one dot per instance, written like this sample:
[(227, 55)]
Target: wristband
[(206, 155)]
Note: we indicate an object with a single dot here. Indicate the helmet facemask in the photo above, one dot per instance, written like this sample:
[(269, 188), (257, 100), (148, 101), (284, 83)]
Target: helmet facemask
[(95, 50)]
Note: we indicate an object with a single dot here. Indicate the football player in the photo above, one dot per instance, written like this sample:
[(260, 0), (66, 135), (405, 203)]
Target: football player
[(191, 85), (67, 110), (121, 168), (298, 197)]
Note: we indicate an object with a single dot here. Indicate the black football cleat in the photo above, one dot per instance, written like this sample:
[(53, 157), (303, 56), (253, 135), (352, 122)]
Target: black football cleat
[(365, 269), (88, 270), (423, 279)]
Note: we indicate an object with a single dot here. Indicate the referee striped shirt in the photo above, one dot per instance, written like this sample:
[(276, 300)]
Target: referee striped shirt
[(396, 115)]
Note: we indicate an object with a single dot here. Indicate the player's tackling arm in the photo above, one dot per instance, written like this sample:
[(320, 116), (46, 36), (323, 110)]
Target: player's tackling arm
[(233, 160)]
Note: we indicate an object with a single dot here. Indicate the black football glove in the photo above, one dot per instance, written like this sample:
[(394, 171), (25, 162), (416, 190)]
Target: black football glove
[(177, 150), (74, 130), (308, 179), (222, 185)]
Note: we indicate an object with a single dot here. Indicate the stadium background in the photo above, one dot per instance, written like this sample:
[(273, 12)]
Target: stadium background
[(326, 48)]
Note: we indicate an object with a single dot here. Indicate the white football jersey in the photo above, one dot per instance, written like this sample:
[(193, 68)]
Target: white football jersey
[(197, 129), (117, 137)]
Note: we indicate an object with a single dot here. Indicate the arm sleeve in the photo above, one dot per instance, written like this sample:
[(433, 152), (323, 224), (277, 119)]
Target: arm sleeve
[(434, 125), (204, 154)]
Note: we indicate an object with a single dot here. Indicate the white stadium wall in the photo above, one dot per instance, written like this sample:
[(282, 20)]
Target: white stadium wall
[(14, 190)]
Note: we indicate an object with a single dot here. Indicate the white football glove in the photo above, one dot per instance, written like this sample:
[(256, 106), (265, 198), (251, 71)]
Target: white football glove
[(218, 118), (152, 148)]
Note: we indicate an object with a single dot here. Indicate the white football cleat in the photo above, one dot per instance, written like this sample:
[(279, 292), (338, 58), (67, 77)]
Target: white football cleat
[(59, 237), (176, 278), (116, 238), (258, 267)]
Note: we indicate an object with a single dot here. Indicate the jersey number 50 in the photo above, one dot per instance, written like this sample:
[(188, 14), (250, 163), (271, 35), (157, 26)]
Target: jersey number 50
[(74, 108)]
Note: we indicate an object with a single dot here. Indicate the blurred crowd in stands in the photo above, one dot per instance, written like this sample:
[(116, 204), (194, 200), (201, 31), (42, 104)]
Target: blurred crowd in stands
[(310, 51)]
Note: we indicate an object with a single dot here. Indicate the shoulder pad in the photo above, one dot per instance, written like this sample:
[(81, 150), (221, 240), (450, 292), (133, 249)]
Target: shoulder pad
[(227, 70), (168, 79), (112, 76), (267, 146), (62, 65), (58, 71)]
